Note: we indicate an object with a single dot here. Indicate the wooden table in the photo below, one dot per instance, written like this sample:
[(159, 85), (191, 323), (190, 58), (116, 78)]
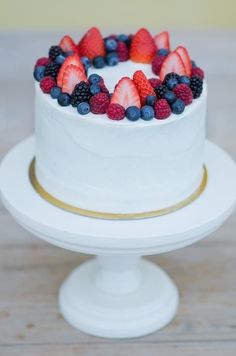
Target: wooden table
[(31, 271)]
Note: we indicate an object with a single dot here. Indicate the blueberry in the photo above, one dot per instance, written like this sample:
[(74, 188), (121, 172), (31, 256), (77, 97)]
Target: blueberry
[(86, 62), (122, 37), (184, 79), (95, 89), (171, 83), (178, 107), (132, 113), (112, 59), (99, 62), (64, 99), (60, 59), (39, 73), (194, 64), (151, 99), (147, 112), (69, 53), (110, 44), (169, 96), (163, 52), (55, 92), (94, 78), (83, 108)]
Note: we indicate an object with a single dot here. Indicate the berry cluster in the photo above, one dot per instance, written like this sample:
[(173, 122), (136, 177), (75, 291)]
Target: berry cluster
[(63, 75)]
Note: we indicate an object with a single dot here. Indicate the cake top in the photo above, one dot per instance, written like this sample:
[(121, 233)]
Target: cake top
[(123, 76)]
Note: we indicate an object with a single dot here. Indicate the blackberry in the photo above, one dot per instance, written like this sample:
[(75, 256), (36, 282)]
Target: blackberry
[(52, 69), (54, 51), (170, 76), (160, 91), (196, 85), (81, 93)]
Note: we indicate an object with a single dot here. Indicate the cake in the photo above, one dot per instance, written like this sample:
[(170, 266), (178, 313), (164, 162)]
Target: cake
[(119, 124)]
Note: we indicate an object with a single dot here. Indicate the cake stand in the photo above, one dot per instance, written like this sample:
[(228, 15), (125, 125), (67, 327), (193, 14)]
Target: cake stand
[(118, 294)]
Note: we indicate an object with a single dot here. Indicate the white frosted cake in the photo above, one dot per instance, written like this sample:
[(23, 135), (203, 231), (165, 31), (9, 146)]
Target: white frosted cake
[(145, 151)]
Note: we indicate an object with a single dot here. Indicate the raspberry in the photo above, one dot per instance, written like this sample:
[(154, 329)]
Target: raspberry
[(197, 71), (157, 63), (43, 61), (46, 84), (122, 51), (183, 92), (155, 82), (115, 112), (99, 103), (103, 87), (162, 109)]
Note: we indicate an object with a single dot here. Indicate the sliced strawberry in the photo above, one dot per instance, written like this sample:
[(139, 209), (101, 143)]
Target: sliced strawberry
[(92, 44), (72, 76), (172, 63), (126, 94), (182, 51), (68, 45), (142, 47), (162, 40), (73, 59), (143, 85)]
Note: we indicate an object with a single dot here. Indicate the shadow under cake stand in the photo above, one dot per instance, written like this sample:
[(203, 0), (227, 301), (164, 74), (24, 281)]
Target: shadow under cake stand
[(118, 294)]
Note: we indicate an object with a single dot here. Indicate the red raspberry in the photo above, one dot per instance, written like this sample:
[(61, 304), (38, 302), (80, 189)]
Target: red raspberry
[(99, 103), (198, 71), (46, 84), (122, 51), (155, 82), (115, 112), (157, 63), (43, 61), (162, 109), (103, 87), (182, 91)]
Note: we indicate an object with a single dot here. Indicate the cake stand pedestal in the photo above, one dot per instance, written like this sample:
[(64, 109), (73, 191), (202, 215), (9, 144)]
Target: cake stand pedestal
[(118, 294)]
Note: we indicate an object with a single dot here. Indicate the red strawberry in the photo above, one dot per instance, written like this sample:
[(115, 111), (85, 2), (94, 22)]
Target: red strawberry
[(126, 94), (72, 76), (172, 63), (185, 58), (92, 44), (68, 45), (143, 85), (73, 59), (142, 47), (162, 40)]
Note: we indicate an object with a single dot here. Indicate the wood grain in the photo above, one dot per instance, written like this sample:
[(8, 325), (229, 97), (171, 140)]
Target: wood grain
[(31, 271)]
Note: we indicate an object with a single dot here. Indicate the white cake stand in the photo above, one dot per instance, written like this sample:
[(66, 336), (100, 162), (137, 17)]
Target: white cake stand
[(118, 294)]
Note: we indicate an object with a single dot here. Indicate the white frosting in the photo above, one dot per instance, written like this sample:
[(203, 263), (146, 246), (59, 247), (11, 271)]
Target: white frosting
[(118, 166)]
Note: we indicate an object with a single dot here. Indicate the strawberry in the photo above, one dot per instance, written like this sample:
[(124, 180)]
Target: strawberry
[(68, 45), (142, 47), (162, 40), (183, 53), (72, 76), (126, 94), (172, 63), (92, 44), (73, 59), (143, 86)]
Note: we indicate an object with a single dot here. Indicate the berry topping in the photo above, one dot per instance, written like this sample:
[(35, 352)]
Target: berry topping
[(81, 93), (43, 61), (133, 113), (197, 71), (184, 80), (55, 92), (163, 52), (72, 59), (54, 51), (143, 85), (151, 99), (154, 82), (157, 63), (72, 76), (122, 51), (46, 84), (83, 108), (178, 107), (169, 96), (60, 59), (160, 91), (183, 92), (162, 109), (99, 62), (112, 59), (86, 62), (94, 78), (68, 45), (64, 99), (142, 47), (172, 63), (171, 83), (115, 112), (123, 38), (110, 44), (171, 75), (39, 73), (162, 40), (183, 53), (147, 113), (92, 44), (99, 103), (95, 88), (126, 93), (103, 87), (196, 85), (52, 69)]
